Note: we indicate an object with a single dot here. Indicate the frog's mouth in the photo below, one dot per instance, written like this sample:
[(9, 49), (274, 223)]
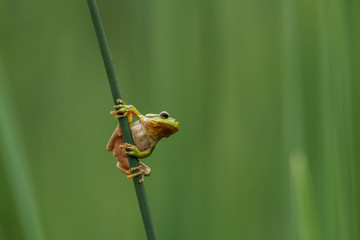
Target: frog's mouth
[(163, 129), (176, 125), (169, 128)]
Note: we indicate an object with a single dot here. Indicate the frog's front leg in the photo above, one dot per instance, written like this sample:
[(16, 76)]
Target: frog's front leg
[(134, 151), (123, 110)]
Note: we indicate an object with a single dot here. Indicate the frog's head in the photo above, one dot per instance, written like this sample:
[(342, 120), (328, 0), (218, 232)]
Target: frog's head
[(160, 125)]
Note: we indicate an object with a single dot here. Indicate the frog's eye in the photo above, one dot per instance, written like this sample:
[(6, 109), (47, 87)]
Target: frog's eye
[(164, 115)]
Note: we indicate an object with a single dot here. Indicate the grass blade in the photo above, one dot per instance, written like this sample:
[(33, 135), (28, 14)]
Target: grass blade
[(15, 163), (339, 186), (293, 114), (307, 220)]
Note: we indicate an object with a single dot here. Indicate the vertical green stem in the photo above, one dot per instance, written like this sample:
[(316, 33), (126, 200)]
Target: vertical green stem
[(124, 125)]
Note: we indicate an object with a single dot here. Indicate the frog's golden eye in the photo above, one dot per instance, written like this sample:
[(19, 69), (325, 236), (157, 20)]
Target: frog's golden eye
[(164, 115)]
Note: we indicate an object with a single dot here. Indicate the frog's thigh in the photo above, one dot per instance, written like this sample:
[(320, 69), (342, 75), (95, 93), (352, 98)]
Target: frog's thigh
[(123, 167)]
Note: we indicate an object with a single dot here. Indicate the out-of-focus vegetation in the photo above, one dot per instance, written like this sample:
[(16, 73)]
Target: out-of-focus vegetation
[(267, 93)]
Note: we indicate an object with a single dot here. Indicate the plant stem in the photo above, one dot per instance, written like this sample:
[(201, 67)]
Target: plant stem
[(124, 124)]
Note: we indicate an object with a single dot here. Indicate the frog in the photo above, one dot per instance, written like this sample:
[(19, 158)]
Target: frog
[(147, 131)]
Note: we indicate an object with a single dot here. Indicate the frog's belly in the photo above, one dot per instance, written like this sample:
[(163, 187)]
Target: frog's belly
[(141, 141)]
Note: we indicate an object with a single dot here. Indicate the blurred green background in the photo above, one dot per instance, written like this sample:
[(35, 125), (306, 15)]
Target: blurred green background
[(267, 93)]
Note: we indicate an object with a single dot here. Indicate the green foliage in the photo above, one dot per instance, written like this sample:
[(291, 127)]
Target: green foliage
[(266, 92)]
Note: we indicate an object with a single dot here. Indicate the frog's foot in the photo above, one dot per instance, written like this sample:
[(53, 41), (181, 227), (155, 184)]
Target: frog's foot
[(121, 110), (128, 171), (141, 173)]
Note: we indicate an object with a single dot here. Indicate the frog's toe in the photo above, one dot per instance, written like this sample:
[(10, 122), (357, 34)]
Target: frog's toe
[(120, 105), (140, 173), (135, 168), (120, 101), (134, 174), (119, 113)]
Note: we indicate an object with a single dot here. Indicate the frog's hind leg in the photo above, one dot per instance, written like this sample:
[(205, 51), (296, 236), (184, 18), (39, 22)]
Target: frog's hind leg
[(143, 171), (123, 163), (125, 170), (114, 137), (145, 168)]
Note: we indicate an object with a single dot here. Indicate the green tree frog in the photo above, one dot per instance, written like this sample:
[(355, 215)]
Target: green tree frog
[(146, 132)]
